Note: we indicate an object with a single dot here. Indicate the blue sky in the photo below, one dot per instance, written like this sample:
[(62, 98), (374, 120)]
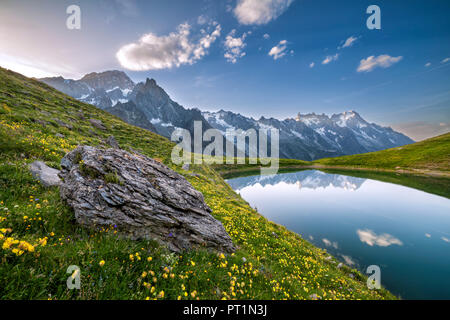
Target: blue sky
[(396, 76)]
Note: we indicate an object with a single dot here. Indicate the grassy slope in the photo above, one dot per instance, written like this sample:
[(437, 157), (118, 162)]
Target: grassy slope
[(278, 263)]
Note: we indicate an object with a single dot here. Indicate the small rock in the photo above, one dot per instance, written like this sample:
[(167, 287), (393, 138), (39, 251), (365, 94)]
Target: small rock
[(41, 122), (244, 259), (339, 265), (314, 297), (46, 175), (63, 124), (186, 166), (97, 124), (274, 234), (351, 275), (196, 175), (113, 142), (81, 115), (59, 135)]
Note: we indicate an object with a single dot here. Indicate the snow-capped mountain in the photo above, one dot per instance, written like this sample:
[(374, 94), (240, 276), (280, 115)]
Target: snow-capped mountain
[(144, 104), (307, 137), (370, 135), (165, 114), (313, 136), (103, 90), (109, 81)]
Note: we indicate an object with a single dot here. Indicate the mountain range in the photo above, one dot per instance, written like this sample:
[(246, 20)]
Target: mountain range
[(306, 137)]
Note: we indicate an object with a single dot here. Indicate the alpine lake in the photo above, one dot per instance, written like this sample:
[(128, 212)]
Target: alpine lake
[(399, 223)]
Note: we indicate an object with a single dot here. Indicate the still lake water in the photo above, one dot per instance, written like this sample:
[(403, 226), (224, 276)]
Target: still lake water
[(362, 222)]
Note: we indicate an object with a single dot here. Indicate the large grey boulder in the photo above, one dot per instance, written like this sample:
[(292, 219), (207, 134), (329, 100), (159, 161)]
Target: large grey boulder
[(46, 175), (140, 197)]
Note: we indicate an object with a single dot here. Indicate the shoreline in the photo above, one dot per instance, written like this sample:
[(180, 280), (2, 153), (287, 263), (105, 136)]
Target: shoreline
[(418, 172)]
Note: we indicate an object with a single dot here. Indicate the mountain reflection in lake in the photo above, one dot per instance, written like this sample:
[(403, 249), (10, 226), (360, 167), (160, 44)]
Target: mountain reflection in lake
[(406, 232)]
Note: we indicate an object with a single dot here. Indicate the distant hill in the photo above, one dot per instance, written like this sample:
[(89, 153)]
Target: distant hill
[(431, 155)]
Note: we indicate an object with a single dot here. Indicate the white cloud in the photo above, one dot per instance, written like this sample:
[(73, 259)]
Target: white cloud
[(328, 59), (279, 50), (348, 260), (154, 52), (312, 64), (383, 61), (328, 243), (445, 60), (427, 64), (427, 235), (266, 36), (349, 42), (382, 240), (234, 46), (202, 20), (445, 239), (260, 12)]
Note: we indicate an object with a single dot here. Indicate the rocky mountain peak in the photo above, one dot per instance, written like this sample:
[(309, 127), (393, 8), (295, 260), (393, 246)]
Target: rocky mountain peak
[(313, 119), (151, 82), (108, 80), (149, 93), (349, 118)]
